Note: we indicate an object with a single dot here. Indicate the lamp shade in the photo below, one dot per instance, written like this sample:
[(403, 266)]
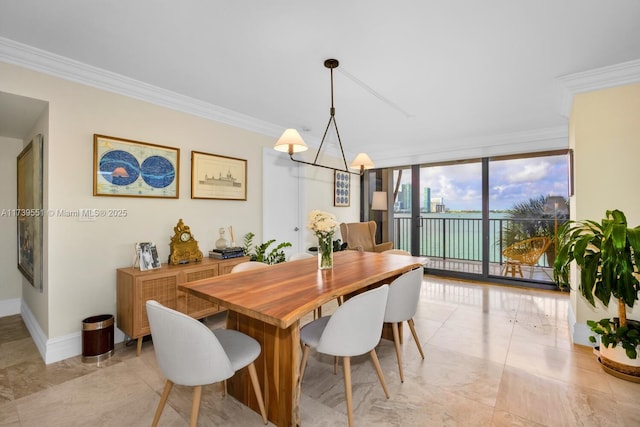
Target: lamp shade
[(555, 205), (290, 142), (362, 161), (379, 201)]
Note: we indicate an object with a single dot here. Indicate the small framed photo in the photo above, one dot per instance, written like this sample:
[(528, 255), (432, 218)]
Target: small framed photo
[(122, 167), (147, 256), (342, 189), (218, 177)]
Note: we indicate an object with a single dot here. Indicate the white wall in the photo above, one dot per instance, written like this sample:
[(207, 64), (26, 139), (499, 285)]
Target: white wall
[(605, 136), (10, 283), (82, 257)]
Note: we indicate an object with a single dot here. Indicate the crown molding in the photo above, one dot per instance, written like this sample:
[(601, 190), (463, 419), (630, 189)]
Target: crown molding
[(596, 79), (40, 60)]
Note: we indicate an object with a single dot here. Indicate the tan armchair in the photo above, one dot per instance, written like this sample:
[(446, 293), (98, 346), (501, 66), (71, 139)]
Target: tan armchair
[(361, 236)]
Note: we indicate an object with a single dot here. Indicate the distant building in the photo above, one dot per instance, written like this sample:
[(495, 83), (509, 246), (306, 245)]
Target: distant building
[(437, 205), (404, 198), (426, 204)]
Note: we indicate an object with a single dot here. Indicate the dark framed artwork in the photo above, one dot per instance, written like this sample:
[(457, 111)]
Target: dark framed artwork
[(30, 212), (122, 167), (341, 188), (218, 177)]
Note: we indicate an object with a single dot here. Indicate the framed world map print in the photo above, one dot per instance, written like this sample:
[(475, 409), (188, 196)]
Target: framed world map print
[(122, 167)]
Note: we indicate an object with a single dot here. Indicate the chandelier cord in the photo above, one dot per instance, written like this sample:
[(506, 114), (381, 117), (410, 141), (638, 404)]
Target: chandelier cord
[(332, 118)]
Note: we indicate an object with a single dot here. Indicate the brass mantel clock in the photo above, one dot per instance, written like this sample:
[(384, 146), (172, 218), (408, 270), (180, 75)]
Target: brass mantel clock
[(184, 248)]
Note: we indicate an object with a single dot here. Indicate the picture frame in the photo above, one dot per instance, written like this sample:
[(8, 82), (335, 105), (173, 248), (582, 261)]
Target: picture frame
[(29, 212), (127, 168), (341, 188), (147, 256), (218, 177)]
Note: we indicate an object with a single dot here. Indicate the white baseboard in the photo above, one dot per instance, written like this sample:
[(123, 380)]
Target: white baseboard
[(10, 307), (580, 332), (59, 348), (38, 336)]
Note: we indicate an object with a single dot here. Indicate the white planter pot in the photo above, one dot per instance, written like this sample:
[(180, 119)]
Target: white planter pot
[(618, 355)]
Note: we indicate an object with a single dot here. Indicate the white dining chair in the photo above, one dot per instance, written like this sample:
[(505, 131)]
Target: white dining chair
[(396, 252), (402, 303), (353, 329), (191, 354), (248, 265), (300, 255)]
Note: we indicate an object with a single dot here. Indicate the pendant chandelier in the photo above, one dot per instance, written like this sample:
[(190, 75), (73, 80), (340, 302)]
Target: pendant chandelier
[(291, 142)]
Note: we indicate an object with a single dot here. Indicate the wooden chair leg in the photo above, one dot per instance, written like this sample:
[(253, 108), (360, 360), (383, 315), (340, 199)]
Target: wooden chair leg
[(335, 365), (415, 336), (163, 400), (139, 346), (347, 388), (195, 406), (303, 364), (224, 388), (396, 342), (376, 363), (256, 388)]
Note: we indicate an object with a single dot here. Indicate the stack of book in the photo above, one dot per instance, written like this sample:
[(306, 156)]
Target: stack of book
[(226, 253)]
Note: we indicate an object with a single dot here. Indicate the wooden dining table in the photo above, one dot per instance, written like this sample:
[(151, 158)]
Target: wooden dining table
[(268, 304)]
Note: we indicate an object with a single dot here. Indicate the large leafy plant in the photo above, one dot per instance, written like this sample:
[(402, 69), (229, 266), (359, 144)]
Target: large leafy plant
[(608, 255)]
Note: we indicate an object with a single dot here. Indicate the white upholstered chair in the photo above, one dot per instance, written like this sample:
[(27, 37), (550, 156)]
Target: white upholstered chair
[(248, 265), (353, 329), (397, 252), (402, 303), (300, 255), (361, 236), (191, 354)]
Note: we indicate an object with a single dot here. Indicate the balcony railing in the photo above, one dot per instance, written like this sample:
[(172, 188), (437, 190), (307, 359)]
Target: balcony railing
[(460, 239)]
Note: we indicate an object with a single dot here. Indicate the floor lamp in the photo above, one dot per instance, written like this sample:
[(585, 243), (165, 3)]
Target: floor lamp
[(555, 206), (379, 203)]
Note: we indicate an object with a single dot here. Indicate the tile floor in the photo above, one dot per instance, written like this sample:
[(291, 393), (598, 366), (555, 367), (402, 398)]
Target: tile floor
[(495, 356)]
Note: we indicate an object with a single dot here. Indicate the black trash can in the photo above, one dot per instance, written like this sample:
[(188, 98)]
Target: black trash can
[(97, 338)]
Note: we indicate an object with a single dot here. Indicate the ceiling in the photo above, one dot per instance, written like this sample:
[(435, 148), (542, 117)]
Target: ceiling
[(417, 81)]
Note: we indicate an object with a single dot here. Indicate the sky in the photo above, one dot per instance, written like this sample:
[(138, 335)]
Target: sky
[(510, 182)]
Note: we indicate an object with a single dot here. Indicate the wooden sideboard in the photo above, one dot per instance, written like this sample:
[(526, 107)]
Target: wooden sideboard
[(135, 287)]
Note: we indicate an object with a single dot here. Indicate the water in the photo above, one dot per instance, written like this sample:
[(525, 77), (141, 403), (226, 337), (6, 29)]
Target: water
[(456, 235)]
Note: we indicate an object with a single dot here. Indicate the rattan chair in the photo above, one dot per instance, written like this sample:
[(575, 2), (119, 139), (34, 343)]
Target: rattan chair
[(525, 252)]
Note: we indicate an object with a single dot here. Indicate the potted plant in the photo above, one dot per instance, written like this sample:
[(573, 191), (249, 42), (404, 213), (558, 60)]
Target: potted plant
[(608, 255), (259, 252)]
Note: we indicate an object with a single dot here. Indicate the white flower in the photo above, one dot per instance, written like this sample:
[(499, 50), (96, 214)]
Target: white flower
[(322, 223)]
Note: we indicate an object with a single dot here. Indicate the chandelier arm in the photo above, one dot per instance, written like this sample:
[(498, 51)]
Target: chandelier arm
[(335, 125), (324, 136), (327, 167)]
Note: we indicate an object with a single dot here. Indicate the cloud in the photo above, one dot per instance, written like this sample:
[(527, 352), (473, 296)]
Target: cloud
[(510, 181)]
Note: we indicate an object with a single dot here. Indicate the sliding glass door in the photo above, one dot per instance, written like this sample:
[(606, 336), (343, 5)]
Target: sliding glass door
[(475, 218)]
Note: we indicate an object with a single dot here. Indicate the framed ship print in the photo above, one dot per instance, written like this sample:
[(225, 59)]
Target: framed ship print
[(218, 177), (122, 167)]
